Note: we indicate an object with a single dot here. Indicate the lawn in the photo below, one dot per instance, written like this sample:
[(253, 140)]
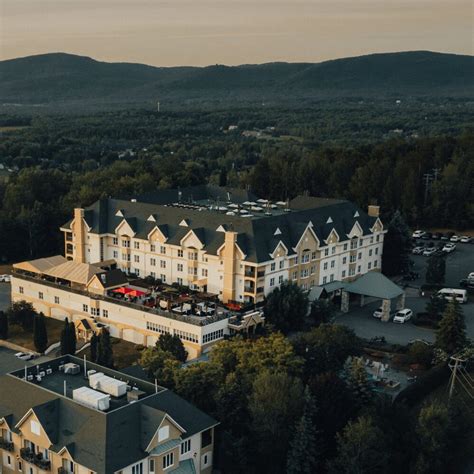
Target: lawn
[(24, 338), (125, 353)]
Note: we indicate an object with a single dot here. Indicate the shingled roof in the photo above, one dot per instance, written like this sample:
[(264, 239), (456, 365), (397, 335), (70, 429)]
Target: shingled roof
[(257, 235)]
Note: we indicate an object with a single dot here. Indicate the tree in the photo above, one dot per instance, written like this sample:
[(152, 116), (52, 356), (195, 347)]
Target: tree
[(435, 307), (361, 448), (40, 335), (436, 270), (223, 177), (286, 307), (23, 314), (433, 436), (304, 453), (160, 365), (174, 345), (105, 355), (3, 325), (396, 246), (94, 342), (421, 353), (358, 381), (326, 348), (66, 338), (451, 333), (72, 338), (275, 405), (321, 311)]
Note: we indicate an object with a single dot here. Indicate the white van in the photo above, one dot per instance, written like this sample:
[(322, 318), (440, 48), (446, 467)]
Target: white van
[(453, 293)]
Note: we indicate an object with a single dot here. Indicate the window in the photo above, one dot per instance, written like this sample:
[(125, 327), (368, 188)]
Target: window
[(272, 281), (376, 251), (152, 248), (305, 258), (152, 465), (369, 266), (345, 247), (333, 251), (375, 263), (136, 271), (206, 438), (192, 271), (136, 258), (179, 281), (105, 313), (352, 259), (333, 264), (180, 267), (153, 274), (35, 427), (192, 255), (304, 273), (138, 468), (212, 336), (377, 238), (344, 260), (372, 240), (325, 266), (180, 253), (343, 273), (313, 255), (353, 244), (370, 252), (153, 262), (95, 312), (20, 466), (206, 459), (115, 254), (331, 277), (360, 255), (41, 295), (361, 242), (9, 461), (358, 269), (272, 267), (56, 300), (325, 280), (136, 245), (326, 252), (313, 269), (162, 263), (163, 433), (295, 275), (282, 264), (351, 271), (163, 249), (204, 272), (114, 241), (157, 328), (280, 279), (163, 278), (186, 446), (21, 290), (85, 308), (168, 460), (126, 243)]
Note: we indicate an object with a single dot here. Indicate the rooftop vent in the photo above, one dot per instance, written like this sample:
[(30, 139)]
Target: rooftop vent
[(277, 231), (329, 221)]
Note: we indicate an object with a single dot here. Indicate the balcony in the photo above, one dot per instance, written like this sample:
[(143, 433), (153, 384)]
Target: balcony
[(7, 445), (68, 236), (63, 470), (249, 272), (37, 459)]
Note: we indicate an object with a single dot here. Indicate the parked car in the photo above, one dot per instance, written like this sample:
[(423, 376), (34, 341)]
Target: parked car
[(25, 356), (403, 315), (449, 247), (429, 251), (418, 250), (5, 278), (467, 283), (470, 276), (436, 236), (378, 313), (418, 234), (454, 238), (426, 236), (465, 239), (444, 237)]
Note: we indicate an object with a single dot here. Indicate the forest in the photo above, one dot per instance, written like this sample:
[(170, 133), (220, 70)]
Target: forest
[(383, 153)]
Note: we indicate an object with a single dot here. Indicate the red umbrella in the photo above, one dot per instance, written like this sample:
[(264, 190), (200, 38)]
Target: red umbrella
[(122, 290), (136, 293)]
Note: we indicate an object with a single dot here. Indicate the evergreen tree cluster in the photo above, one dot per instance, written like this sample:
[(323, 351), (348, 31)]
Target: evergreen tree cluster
[(101, 349), (68, 338)]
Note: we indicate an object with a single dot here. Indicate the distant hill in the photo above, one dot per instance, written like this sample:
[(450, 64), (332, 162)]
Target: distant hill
[(60, 78)]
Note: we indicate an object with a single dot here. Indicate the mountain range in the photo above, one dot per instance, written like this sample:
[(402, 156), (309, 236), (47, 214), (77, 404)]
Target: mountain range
[(60, 78)]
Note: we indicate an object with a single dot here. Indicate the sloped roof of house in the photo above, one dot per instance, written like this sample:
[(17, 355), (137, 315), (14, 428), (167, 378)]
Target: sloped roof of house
[(75, 272), (374, 284), (40, 265), (257, 236)]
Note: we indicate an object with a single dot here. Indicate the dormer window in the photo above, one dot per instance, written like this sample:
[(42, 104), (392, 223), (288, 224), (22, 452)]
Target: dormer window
[(329, 221), (184, 223)]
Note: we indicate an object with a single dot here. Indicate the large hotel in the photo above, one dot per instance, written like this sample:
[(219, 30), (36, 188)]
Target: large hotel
[(223, 244)]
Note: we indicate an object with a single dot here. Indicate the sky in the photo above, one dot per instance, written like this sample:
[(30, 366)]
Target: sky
[(203, 32)]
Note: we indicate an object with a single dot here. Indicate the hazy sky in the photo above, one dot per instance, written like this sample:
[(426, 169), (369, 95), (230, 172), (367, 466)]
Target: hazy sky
[(201, 32)]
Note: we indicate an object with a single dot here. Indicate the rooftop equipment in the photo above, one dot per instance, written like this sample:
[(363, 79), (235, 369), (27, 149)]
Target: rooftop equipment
[(71, 369), (91, 398), (104, 383)]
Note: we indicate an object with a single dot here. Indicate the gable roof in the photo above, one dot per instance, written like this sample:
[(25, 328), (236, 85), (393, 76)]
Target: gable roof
[(375, 284)]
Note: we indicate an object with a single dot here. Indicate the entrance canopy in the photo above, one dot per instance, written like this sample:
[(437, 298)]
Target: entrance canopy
[(374, 284)]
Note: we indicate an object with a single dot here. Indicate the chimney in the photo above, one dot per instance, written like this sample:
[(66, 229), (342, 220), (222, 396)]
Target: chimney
[(373, 211), (79, 236)]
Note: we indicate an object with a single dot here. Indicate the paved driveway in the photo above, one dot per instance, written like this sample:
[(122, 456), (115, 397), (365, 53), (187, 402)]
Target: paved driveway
[(4, 296), (9, 363), (367, 327)]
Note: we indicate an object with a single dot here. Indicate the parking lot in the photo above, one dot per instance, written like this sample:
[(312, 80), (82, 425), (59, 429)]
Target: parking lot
[(458, 264)]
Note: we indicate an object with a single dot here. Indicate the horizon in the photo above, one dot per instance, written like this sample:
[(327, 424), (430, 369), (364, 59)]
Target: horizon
[(233, 32)]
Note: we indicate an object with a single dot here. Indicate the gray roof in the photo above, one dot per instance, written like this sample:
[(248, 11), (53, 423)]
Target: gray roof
[(103, 442), (185, 467), (256, 235), (374, 284)]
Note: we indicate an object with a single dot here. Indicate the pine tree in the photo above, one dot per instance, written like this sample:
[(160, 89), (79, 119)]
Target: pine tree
[(3, 325), (451, 334), (436, 270), (94, 344), (40, 335), (105, 354), (65, 339), (358, 381), (72, 338), (304, 453)]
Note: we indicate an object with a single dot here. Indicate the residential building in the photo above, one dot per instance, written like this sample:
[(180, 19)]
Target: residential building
[(228, 242), (64, 416)]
